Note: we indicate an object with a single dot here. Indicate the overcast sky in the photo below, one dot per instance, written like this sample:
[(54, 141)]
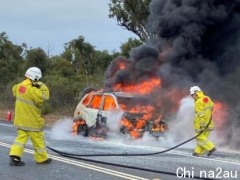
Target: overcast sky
[(51, 23)]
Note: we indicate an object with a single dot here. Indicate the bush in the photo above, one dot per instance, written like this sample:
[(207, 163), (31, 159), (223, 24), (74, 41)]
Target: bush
[(46, 109)]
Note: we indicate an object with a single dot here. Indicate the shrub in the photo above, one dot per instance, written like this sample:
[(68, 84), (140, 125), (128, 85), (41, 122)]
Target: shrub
[(46, 109)]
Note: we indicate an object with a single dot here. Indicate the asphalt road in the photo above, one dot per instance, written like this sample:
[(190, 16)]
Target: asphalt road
[(222, 165)]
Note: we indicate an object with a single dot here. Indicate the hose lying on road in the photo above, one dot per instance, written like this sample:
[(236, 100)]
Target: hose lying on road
[(70, 155), (126, 154), (136, 168), (138, 154)]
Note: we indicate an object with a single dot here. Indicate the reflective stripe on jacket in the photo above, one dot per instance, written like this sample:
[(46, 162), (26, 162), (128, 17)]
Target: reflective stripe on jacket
[(29, 101), (203, 112)]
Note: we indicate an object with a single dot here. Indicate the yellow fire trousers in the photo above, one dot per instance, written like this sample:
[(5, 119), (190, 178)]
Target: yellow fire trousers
[(38, 141), (203, 144)]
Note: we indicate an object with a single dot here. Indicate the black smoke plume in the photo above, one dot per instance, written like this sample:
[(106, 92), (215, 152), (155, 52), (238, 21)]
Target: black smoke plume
[(196, 42), (204, 37)]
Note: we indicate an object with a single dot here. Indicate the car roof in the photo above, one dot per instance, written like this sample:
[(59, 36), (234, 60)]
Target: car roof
[(121, 94)]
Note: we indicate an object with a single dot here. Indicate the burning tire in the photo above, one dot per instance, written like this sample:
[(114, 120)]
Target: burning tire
[(123, 130), (82, 130)]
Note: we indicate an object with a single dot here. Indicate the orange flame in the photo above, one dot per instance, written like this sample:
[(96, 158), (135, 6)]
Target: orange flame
[(96, 102), (159, 127), (220, 114), (136, 134), (109, 103), (138, 109), (75, 126), (122, 66), (86, 100), (127, 124), (173, 98), (139, 124), (144, 88), (134, 130), (96, 138)]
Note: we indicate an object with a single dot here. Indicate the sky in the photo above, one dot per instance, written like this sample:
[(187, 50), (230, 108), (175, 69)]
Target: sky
[(51, 23)]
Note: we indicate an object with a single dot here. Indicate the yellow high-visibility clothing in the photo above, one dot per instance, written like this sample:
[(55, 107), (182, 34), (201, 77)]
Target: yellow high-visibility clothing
[(203, 112), (203, 118), (28, 119), (38, 141), (203, 144), (29, 101)]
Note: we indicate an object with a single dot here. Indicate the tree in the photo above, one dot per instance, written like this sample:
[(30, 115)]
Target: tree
[(102, 59), (131, 15), (82, 55), (10, 59), (67, 54), (63, 66), (129, 45), (9, 51), (38, 58)]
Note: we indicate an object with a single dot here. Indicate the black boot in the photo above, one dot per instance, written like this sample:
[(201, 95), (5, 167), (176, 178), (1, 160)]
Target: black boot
[(48, 161), (16, 161), (211, 152), (196, 154)]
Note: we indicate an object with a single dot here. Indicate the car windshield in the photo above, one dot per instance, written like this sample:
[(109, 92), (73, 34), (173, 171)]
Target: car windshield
[(134, 104)]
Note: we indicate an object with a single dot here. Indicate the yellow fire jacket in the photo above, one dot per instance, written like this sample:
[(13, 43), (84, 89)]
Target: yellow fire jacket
[(29, 101), (203, 112)]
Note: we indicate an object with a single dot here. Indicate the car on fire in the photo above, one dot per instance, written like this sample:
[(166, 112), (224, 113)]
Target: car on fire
[(96, 112)]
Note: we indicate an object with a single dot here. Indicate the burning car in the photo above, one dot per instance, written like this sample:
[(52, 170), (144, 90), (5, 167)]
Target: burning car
[(96, 109)]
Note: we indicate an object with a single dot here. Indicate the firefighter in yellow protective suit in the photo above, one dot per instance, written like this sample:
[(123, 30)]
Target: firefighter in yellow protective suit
[(30, 95), (202, 122)]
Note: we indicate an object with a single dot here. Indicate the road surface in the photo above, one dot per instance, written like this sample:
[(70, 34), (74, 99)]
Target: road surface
[(224, 164)]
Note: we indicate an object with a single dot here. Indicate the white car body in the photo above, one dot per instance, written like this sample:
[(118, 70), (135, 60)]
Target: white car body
[(91, 114)]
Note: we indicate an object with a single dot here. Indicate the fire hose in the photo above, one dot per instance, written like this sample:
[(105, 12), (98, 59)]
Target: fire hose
[(76, 156)]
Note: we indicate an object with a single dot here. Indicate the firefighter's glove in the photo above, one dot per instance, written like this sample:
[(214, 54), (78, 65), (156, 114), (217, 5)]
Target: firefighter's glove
[(202, 128), (37, 84)]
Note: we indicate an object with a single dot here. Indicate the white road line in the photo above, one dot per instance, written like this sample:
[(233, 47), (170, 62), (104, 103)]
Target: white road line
[(47, 132), (6, 125), (205, 158), (87, 166), (175, 152), (158, 149)]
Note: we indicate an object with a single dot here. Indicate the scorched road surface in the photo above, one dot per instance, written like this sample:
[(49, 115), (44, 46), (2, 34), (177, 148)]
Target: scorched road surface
[(223, 164)]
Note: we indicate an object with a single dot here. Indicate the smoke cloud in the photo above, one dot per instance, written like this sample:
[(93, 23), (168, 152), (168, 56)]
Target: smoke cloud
[(205, 48), (196, 42), (62, 130)]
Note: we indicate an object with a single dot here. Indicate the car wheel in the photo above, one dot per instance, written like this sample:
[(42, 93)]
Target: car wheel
[(123, 130), (82, 130)]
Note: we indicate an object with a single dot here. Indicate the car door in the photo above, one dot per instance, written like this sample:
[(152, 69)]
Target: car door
[(93, 109), (110, 111), (81, 107)]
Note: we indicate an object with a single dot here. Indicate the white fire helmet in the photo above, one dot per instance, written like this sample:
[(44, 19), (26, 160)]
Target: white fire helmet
[(33, 73), (194, 89)]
